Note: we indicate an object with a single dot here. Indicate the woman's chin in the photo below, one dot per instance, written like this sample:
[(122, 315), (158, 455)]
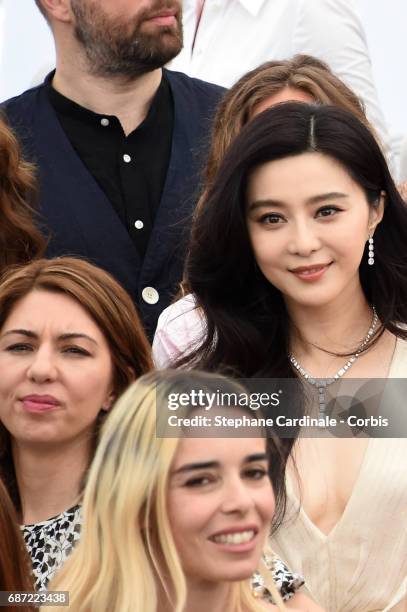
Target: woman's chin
[(315, 300)]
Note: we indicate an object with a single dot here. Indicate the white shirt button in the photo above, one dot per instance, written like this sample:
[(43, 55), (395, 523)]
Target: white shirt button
[(150, 295), (126, 158), (105, 122), (138, 224)]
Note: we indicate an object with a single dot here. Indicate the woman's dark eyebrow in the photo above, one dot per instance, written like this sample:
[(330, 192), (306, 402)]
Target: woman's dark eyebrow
[(333, 195), (257, 457), (266, 204), (30, 334), (323, 197), (20, 332), (189, 467), (74, 335)]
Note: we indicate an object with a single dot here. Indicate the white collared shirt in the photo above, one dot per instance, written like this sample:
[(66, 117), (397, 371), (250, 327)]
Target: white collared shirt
[(235, 36)]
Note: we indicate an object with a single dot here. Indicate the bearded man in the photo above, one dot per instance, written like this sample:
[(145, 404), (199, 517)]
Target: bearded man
[(118, 141)]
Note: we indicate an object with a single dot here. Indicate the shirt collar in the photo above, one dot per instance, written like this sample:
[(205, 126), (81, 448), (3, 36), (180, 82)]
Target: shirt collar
[(252, 6), (65, 106)]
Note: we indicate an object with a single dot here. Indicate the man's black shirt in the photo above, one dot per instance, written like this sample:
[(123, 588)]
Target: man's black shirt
[(131, 170)]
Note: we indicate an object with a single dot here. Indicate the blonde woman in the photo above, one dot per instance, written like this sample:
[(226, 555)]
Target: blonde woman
[(176, 524)]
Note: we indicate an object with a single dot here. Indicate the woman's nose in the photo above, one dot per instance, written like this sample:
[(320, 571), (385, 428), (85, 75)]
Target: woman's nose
[(237, 497), (42, 367), (304, 240)]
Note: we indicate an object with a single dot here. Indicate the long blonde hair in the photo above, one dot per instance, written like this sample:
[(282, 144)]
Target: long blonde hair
[(126, 560)]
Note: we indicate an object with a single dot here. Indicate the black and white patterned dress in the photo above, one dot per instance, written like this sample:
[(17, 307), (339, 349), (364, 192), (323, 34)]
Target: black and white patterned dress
[(285, 580), (50, 542)]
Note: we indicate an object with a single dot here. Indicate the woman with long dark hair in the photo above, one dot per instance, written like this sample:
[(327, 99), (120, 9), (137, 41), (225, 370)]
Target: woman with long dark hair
[(298, 268), (302, 78)]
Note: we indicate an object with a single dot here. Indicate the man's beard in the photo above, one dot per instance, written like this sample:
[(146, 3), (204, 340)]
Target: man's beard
[(119, 47)]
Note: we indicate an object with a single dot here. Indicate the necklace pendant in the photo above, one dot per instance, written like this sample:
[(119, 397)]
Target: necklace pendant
[(320, 383), (321, 386)]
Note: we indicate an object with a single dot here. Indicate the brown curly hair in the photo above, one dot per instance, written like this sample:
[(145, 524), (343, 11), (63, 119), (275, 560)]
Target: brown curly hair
[(20, 237)]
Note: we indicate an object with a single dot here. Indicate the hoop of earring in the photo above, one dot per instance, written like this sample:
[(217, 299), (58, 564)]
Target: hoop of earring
[(370, 260)]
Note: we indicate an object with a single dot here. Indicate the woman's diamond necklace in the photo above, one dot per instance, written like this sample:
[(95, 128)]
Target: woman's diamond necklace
[(322, 383)]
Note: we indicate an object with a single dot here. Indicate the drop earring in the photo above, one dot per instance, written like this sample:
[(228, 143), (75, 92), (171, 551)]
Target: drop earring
[(370, 260)]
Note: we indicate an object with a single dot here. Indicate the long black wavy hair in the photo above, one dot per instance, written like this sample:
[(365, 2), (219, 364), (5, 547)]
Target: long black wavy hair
[(248, 326)]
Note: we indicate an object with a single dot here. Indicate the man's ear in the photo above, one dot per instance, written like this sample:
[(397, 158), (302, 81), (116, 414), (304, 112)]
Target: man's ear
[(57, 10), (376, 212)]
